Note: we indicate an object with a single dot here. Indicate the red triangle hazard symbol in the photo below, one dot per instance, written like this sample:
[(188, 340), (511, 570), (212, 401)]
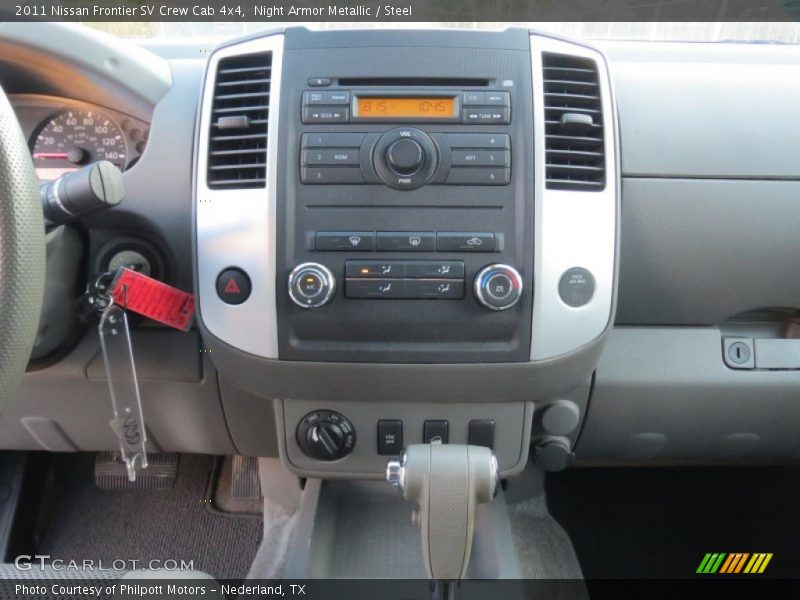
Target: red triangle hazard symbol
[(232, 287)]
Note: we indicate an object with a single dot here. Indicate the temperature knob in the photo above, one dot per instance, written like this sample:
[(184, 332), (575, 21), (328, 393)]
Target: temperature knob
[(326, 435), (311, 285), (498, 287)]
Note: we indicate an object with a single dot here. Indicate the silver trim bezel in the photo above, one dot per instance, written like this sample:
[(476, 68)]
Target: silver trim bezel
[(325, 275), (237, 228), (572, 228)]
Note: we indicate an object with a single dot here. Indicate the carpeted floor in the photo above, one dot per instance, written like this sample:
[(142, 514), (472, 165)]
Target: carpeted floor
[(659, 523), (178, 524)]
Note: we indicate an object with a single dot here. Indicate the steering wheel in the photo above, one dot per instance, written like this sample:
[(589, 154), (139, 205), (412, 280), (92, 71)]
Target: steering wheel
[(22, 253)]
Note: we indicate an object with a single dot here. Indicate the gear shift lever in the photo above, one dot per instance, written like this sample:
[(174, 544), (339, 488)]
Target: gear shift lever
[(447, 481)]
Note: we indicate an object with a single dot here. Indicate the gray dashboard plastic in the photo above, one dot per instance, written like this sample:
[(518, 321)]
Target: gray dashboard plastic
[(707, 110), (67, 407), (664, 395), (699, 252)]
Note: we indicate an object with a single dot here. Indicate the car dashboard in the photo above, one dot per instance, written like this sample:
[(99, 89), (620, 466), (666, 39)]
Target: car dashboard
[(502, 238)]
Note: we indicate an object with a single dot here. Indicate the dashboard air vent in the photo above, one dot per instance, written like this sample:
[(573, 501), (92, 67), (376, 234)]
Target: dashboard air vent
[(237, 149), (574, 142)]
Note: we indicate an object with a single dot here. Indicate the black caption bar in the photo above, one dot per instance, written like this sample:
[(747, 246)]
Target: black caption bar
[(442, 11)]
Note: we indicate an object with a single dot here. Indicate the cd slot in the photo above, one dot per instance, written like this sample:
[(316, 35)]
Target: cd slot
[(415, 81)]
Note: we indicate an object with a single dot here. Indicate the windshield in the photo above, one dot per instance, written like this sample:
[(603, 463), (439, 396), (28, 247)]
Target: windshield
[(763, 32)]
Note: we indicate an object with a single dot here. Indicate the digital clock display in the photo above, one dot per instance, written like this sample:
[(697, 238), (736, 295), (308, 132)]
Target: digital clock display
[(406, 108)]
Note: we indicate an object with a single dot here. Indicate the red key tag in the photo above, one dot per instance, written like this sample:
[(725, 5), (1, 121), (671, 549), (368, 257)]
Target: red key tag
[(153, 299)]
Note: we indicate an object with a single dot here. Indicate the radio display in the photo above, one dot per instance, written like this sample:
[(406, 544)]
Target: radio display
[(406, 108)]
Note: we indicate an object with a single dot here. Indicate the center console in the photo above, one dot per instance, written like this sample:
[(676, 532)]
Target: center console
[(404, 235)]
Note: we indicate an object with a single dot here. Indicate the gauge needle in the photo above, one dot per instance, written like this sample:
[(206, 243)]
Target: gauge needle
[(64, 155)]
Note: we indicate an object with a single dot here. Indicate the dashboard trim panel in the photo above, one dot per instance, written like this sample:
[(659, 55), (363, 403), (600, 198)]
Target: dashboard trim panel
[(238, 227), (572, 229)]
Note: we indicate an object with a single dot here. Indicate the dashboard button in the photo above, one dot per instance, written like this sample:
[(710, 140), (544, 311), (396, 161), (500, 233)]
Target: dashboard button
[(376, 289), (450, 241), (326, 114), (473, 98), (479, 176), (435, 431), (412, 241), (479, 140), (390, 436), (326, 97), (497, 99), (481, 433), (481, 158), (576, 287), (319, 81), (486, 116), (371, 269), (429, 269), (353, 241), (331, 175), (434, 289), (332, 140), (233, 286), (329, 156)]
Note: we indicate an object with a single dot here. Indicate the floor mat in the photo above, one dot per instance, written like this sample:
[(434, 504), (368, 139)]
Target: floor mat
[(659, 523), (179, 524), (544, 548)]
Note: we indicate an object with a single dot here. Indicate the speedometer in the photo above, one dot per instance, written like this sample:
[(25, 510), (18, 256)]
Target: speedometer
[(74, 138)]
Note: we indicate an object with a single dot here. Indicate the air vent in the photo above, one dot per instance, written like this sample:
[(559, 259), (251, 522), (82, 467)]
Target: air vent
[(574, 143), (237, 149)]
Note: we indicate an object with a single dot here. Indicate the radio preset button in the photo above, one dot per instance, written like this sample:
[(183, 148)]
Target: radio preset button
[(464, 242), (412, 241), (479, 140), (332, 140), (326, 114), (352, 241), (330, 156), (331, 175), (480, 158), (479, 176)]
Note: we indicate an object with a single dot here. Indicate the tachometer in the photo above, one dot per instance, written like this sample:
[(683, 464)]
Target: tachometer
[(74, 138)]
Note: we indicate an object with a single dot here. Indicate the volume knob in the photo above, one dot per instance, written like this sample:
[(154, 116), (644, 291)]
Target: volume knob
[(405, 156)]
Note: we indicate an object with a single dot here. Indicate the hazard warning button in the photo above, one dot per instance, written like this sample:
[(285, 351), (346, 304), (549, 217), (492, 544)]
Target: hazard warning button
[(233, 286)]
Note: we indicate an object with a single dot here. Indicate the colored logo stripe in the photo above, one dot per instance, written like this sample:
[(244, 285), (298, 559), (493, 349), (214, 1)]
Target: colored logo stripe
[(733, 563)]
